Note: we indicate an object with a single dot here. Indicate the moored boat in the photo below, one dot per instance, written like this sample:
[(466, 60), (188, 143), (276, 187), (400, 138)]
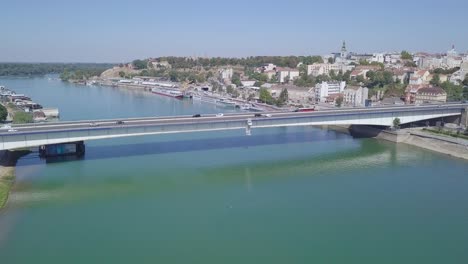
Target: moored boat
[(168, 92)]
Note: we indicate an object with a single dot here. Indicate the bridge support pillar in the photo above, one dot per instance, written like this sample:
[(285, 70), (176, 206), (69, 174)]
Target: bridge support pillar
[(248, 127), (464, 117), (64, 149)]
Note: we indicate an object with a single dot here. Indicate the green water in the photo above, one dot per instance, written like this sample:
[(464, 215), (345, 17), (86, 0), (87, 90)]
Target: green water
[(295, 195)]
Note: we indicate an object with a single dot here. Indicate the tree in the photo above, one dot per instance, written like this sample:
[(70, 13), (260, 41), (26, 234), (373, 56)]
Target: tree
[(405, 55), (435, 80), (22, 118), (363, 62), (410, 64), (236, 79), (312, 60), (454, 92), (266, 97), (230, 89), (331, 60), (339, 101), (396, 122), (465, 81), (140, 64), (3, 113), (283, 97), (273, 79), (360, 79), (121, 74)]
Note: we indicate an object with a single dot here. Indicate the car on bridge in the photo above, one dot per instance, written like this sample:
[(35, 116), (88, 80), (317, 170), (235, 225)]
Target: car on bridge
[(93, 124), (120, 122), (196, 115), (262, 115)]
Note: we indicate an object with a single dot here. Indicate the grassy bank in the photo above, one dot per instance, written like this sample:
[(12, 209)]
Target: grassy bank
[(8, 161), (446, 133)]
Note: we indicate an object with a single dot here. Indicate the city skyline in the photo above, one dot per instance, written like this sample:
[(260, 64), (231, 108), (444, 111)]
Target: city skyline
[(52, 31)]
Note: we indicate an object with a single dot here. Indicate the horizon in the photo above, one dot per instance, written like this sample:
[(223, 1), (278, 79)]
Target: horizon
[(90, 32)]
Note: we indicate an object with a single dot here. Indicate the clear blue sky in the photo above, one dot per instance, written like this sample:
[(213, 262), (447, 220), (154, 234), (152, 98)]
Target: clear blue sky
[(119, 31)]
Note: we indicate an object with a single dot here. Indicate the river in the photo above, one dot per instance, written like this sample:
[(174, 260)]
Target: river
[(282, 195)]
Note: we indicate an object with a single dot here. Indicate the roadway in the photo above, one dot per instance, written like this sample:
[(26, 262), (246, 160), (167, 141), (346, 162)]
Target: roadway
[(171, 120)]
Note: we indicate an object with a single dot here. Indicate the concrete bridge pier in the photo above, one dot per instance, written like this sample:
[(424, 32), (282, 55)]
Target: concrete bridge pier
[(248, 127), (464, 117), (64, 149)]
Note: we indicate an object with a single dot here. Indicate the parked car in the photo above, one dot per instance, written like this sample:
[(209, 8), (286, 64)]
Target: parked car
[(196, 115)]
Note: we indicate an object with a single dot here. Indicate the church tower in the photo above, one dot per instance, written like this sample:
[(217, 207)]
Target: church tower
[(344, 52)]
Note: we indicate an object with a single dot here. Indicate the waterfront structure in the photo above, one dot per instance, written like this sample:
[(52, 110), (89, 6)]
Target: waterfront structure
[(355, 95), (28, 135), (431, 95), (325, 89)]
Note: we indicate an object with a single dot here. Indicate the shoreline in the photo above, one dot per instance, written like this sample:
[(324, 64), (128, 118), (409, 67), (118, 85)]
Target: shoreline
[(455, 148), (8, 160)]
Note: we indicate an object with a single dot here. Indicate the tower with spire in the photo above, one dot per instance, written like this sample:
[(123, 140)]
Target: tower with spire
[(344, 52)]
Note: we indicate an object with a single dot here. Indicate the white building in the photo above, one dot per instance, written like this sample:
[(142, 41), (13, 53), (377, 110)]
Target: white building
[(287, 74), (325, 89), (267, 67), (226, 74), (355, 95), (322, 68), (248, 83), (378, 57)]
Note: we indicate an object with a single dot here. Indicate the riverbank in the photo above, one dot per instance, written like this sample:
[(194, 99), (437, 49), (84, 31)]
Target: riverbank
[(8, 160), (455, 147), (442, 144)]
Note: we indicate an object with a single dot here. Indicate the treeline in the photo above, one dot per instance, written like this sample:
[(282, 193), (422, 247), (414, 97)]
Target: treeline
[(28, 69), (281, 61), (81, 74)]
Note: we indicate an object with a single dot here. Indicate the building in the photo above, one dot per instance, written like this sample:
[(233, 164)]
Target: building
[(323, 69), (420, 77), (378, 57), (266, 67), (161, 64), (431, 95), (325, 89), (248, 83), (286, 75), (270, 74), (226, 73), (355, 95)]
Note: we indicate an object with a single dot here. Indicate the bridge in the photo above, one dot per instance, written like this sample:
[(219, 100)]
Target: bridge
[(39, 134)]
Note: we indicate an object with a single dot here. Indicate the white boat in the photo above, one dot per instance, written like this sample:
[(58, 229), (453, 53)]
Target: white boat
[(205, 98), (227, 102), (168, 92)]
